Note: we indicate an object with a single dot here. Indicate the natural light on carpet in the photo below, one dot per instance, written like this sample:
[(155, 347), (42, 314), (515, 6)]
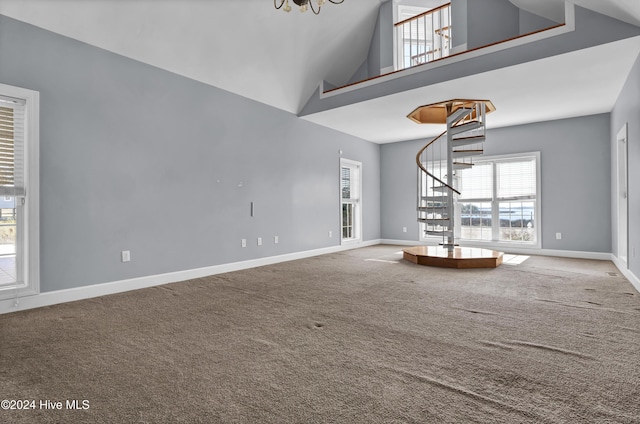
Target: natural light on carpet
[(513, 259), (382, 260)]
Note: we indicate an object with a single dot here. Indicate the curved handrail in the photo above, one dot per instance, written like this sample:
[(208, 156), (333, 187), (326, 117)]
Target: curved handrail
[(419, 162)]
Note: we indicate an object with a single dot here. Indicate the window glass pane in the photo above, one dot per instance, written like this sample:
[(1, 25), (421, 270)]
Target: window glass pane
[(476, 182), (516, 178), (428, 183), (8, 240), (517, 221), (500, 188), (475, 220), (347, 220)]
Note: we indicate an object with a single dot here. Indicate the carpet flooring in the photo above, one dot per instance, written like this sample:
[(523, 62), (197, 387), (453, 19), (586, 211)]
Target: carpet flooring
[(354, 337)]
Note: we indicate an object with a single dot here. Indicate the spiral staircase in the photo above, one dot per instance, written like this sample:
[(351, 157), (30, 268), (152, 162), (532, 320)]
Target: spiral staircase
[(438, 162)]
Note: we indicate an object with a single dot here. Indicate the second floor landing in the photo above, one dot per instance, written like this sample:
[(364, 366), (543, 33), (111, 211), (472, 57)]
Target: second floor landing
[(574, 68)]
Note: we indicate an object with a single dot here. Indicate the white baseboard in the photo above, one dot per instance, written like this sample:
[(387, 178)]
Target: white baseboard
[(622, 267), (87, 292), (600, 256), (515, 250), (404, 242)]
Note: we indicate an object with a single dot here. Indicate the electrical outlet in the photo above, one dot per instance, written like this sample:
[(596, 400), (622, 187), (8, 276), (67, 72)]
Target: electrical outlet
[(330, 234), (243, 242), (275, 240), (404, 229), (558, 236), (126, 256), (259, 241)]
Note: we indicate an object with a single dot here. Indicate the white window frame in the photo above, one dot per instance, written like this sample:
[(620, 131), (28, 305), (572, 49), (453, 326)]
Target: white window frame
[(30, 262), (495, 243), (400, 13), (357, 226)]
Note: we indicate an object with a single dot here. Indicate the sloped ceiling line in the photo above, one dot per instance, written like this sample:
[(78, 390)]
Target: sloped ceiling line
[(253, 50)]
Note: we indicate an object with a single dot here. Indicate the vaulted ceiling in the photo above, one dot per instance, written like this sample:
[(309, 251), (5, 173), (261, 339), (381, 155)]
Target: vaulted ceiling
[(247, 47)]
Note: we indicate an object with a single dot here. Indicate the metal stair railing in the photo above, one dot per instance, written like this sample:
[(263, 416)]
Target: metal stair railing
[(437, 162)]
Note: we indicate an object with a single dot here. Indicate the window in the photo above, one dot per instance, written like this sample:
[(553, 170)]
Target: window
[(498, 201), (19, 216), (350, 206), (422, 33)]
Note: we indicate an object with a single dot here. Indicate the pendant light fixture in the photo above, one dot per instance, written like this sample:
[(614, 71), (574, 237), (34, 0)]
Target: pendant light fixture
[(303, 4)]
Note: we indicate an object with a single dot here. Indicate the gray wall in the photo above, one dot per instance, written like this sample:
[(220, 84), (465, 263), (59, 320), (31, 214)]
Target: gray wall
[(490, 21), (137, 158), (576, 176), (361, 74), (482, 22), (530, 23), (627, 109), (381, 48), (458, 23)]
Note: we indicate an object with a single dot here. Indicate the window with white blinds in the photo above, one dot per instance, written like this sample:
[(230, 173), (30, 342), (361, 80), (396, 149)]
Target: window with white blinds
[(476, 182), (516, 179), (12, 133), (350, 187), (499, 200), (19, 178)]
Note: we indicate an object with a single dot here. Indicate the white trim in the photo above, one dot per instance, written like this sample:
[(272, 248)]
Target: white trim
[(633, 279), (568, 27), (104, 289), (622, 144), (501, 244), (357, 227), (31, 247), (87, 292), (514, 249), (599, 256), (404, 242)]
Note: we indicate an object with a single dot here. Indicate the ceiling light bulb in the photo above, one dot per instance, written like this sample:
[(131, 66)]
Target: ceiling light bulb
[(303, 8), (321, 2), (287, 8)]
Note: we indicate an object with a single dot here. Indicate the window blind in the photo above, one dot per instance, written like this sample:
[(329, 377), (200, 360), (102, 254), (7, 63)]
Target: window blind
[(516, 179), (12, 133), (346, 183), (476, 182), (350, 183)]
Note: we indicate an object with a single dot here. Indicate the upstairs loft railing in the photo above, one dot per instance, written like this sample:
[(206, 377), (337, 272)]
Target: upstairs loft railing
[(424, 37)]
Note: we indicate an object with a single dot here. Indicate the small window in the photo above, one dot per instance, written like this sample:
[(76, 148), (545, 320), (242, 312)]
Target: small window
[(350, 205), (19, 210)]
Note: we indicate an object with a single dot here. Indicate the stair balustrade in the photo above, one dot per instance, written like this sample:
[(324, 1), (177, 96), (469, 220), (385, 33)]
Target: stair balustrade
[(424, 37), (439, 159)]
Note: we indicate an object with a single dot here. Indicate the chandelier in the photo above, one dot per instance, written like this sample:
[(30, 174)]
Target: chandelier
[(304, 5)]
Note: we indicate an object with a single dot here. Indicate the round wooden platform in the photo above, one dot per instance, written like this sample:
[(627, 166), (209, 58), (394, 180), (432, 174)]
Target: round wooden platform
[(460, 257)]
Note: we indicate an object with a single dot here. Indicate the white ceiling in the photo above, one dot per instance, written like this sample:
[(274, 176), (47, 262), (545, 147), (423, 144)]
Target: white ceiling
[(249, 48), (246, 47)]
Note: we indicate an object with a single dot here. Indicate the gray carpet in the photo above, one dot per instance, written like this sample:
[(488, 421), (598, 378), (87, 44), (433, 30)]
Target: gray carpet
[(353, 337)]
